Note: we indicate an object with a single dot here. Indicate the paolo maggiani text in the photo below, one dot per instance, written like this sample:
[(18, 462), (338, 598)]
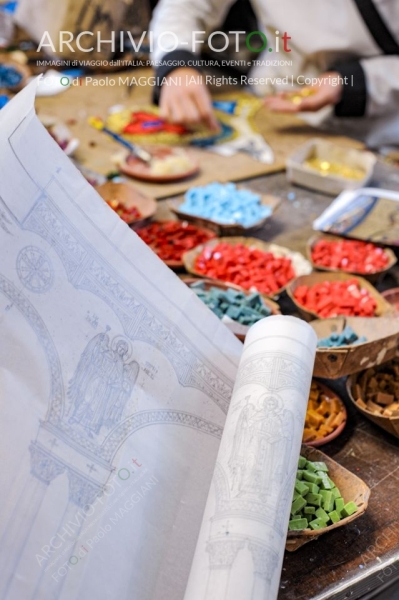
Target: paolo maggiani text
[(243, 80)]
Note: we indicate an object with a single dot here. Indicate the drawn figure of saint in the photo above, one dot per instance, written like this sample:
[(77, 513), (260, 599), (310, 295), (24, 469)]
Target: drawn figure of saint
[(122, 387), (238, 461), (98, 391), (89, 365), (261, 446)]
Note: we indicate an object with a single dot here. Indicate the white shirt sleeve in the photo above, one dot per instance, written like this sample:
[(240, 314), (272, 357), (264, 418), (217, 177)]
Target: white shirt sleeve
[(183, 24)]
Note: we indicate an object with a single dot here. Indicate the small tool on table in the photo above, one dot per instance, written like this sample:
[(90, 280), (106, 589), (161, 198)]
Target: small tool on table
[(138, 152)]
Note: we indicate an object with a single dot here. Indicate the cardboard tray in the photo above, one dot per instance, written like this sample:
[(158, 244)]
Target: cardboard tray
[(226, 229), (383, 307), (389, 424), (128, 196), (382, 335), (352, 489), (239, 330), (190, 257), (299, 173), (329, 237)]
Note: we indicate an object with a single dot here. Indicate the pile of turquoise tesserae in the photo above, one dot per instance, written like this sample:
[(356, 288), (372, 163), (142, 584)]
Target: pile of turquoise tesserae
[(246, 309), (225, 204), (347, 337)]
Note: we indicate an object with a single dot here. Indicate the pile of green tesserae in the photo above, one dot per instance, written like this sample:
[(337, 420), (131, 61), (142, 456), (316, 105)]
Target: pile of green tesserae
[(317, 502)]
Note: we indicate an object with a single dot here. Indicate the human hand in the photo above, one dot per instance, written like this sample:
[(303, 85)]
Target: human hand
[(327, 92), (188, 102)]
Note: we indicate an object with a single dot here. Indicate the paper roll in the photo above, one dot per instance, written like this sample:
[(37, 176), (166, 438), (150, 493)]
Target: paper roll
[(241, 544)]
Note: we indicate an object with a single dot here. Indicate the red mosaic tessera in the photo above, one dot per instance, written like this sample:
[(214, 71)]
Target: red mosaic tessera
[(171, 239), (335, 298), (349, 255), (249, 268)]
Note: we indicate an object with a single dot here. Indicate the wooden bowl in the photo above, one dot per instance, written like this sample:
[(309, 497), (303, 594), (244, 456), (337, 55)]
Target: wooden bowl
[(382, 335), (383, 308), (129, 197), (338, 430), (239, 330), (352, 489), (389, 424), (134, 167), (225, 229), (330, 238), (190, 257)]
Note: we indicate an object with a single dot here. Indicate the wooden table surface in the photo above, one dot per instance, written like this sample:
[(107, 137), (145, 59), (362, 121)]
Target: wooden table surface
[(350, 561)]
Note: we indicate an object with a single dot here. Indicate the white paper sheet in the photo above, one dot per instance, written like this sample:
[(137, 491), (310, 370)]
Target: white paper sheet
[(240, 548), (114, 380)]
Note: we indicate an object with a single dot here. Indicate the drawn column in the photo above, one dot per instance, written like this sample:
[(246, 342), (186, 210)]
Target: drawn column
[(265, 562), (44, 468), (82, 493), (222, 554)]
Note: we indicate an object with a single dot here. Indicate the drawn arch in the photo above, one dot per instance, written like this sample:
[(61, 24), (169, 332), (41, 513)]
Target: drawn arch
[(117, 437), (56, 403)]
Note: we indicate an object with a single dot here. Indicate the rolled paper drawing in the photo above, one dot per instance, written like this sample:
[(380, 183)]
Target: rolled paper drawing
[(241, 543)]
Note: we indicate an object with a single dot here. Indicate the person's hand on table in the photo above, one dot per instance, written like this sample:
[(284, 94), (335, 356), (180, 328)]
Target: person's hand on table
[(189, 103), (319, 96)]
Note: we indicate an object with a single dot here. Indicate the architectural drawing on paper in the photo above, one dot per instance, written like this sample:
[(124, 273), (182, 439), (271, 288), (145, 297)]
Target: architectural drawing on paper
[(93, 400), (141, 321), (248, 476)]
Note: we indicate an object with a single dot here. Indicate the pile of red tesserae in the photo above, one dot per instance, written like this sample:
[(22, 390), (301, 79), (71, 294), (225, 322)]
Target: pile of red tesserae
[(171, 239), (335, 298), (250, 268), (349, 255)]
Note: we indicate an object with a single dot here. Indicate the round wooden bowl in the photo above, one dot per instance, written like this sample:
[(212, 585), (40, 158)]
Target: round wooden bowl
[(329, 237), (178, 265), (382, 335), (190, 257), (389, 424), (352, 488), (222, 229), (129, 197), (383, 308), (239, 330), (134, 167), (338, 430)]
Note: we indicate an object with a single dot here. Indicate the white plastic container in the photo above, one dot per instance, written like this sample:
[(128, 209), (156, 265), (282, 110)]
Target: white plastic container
[(300, 174)]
